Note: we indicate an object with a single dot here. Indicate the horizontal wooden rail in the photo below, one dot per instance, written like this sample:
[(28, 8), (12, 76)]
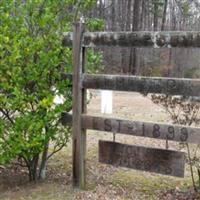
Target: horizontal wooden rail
[(136, 128), (138, 39), (144, 81), (171, 86)]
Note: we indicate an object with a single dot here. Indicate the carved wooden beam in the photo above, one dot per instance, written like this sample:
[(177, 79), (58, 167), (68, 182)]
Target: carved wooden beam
[(138, 128), (170, 86), (138, 39)]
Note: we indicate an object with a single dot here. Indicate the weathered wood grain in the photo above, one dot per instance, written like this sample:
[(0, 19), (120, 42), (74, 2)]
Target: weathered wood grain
[(78, 151), (138, 39), (145, 85), (189, 98), (160, 161), (137, 128)]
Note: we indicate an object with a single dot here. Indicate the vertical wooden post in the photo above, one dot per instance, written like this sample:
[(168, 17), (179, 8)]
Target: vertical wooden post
[(79, 106)]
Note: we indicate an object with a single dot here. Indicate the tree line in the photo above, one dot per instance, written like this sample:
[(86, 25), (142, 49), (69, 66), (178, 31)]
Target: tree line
[(150, 15)]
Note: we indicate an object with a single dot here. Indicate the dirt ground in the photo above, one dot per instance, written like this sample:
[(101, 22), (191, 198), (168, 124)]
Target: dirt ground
[(104, 182)]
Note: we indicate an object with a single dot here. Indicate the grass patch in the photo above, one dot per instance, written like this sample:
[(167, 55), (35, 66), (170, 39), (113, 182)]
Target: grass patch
[(147, 183), (41, 191)]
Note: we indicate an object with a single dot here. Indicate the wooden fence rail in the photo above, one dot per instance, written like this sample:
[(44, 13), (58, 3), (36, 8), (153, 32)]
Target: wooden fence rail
[(145, 85), (138, 128), (137, 39), (171, 86)]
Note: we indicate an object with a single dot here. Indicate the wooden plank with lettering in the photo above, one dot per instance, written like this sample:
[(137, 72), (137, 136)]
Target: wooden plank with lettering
[(166, 162), (145, 85), (193, 98), (138, 128), (166, 39)]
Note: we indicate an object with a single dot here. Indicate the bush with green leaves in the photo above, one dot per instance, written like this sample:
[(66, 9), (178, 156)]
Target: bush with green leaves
[(32, 60)]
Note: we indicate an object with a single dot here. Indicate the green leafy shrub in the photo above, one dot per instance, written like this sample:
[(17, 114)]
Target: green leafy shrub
[(32, 60)]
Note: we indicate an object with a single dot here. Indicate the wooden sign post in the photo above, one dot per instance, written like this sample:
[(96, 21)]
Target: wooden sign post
[(79, 107)]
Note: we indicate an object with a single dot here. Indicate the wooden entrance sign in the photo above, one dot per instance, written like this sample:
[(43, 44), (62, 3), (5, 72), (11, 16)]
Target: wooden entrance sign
[(160, 161)]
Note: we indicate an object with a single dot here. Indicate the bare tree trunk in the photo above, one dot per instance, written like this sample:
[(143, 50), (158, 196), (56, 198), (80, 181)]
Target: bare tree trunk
[(164, 16), (33, 164), (42, 170), (173, 16), (135, 27), (113, 16), (128, 15), (155, 19)]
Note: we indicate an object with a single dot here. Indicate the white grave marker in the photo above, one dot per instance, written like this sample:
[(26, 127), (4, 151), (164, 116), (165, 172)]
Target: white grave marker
[(106, 101)]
